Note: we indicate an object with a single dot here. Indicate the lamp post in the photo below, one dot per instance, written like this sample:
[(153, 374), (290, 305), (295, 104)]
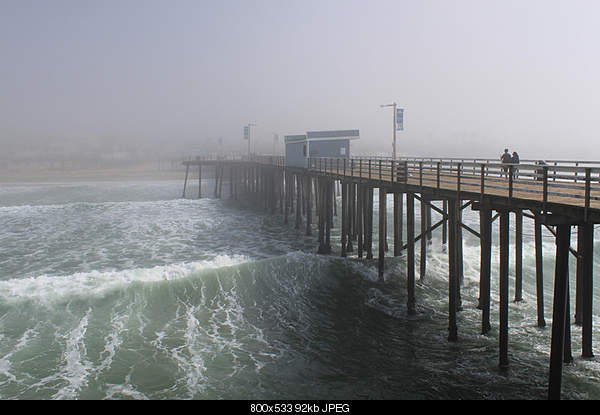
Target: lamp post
[(248, 129), (394, 105), (275, 141)]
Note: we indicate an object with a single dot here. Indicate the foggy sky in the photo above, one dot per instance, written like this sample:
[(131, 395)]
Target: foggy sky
[(474, 76)]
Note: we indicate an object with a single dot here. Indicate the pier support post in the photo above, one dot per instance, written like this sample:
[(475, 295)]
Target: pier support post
[(429, 232), (360, 219), (344, 229), (568, 355), (221, 171), (199, 181), (325, 187), (504, 260), (410, 252), (366, 212), (281, 181), (290, 192), (539, 271), (216, 191), (298, 202), (351, 216), (285, 198), (445, 224), (452, 269), (485, 231), (382, 234), (559, 310), (322, 216), (369, 222), (236, 183), (459, 252), (579, 278), (334, 192), (272, 190), (398, 208), (385, 241), (329, 203), (424, 235), (518, 256), (187, 170), (588, 288), (308, 197)]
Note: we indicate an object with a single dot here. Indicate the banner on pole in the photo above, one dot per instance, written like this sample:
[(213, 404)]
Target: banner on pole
[(246, 132), (400, 119)]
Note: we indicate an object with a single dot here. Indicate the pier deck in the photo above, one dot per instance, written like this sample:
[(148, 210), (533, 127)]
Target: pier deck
[(555, 194)]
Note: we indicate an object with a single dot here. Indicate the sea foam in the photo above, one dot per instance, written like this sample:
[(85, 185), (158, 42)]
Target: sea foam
[(48, 288)]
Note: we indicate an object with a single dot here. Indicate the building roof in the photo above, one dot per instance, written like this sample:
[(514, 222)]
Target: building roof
[(323, 135), (295, 138), (335, 134)]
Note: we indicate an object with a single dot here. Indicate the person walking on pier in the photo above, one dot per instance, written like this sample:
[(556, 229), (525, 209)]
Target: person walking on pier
[(505, 159), (515, 160)]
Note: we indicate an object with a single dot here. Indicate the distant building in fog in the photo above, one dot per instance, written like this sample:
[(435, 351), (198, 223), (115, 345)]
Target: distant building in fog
[(336, 144)]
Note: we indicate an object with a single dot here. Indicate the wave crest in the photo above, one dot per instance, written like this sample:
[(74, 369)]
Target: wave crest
[(49, 288)]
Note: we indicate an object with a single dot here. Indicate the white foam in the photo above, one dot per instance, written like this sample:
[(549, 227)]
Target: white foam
[(48, 288), (126, 391), (113, 341), (5, 365), (77, 368)]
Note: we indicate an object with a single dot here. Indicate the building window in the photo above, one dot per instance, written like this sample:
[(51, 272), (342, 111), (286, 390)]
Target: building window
[(304, 150), (343, 151)]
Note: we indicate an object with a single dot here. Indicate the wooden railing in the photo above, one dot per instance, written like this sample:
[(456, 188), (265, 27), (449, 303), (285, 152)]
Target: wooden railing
[(568, 182), (552, 164), (278, 161), (385, 170), (562, 182), (254, 158)]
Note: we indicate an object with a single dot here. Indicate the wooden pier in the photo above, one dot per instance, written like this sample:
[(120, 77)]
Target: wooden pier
[(557, 195)]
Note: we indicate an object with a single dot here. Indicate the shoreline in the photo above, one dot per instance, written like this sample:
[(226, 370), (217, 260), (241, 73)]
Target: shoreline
[(78, 175)]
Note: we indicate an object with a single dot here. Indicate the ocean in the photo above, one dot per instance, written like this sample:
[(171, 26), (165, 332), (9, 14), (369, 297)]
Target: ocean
[(124, 290)]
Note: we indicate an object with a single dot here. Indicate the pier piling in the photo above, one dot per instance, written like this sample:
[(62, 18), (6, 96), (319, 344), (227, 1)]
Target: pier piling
[(275, 187), (424, 236), (503, 279), (561, 285), (199, 181), (539, 271), (398, 218), (485, 230), (452, 270), (187, 170), (518, 255), (382, 237), (410, 252)]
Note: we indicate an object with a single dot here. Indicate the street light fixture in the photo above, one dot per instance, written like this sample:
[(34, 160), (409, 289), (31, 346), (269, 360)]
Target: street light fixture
[(394, 105), (248, 128), (275, 141)]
